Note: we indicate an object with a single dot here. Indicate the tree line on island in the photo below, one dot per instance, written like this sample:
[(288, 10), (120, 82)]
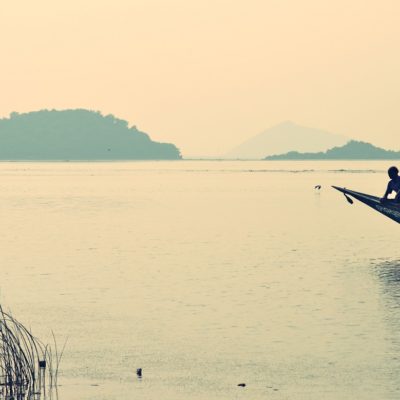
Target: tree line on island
[(77, 135), (80, 134), (353, 150)]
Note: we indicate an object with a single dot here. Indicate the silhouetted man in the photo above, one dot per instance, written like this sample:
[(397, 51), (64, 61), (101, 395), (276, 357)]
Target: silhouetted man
[(393, 185)]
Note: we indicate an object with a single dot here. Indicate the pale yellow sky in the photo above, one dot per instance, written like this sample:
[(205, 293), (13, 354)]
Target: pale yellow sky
[(204, 74)]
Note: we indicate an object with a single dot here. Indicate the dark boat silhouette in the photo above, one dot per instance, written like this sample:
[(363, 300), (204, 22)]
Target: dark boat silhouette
[(388, 208)]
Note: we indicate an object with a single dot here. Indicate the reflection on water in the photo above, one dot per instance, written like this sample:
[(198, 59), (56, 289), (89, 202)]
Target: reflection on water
[(388, 272)]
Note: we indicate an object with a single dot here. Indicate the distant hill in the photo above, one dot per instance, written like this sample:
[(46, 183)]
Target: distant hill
[(353, 150), (285, 137), (77, 135)]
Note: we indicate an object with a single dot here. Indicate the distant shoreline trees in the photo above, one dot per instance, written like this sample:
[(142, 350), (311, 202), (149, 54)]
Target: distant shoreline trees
[(352, 150), (77, 134)]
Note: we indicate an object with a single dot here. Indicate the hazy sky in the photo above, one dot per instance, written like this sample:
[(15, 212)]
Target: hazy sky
[(204, 74)]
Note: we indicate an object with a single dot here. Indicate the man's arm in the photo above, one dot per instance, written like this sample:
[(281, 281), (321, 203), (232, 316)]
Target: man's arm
[(388, 191)]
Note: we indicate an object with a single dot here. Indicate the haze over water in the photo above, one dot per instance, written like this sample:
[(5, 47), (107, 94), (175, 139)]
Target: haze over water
[(205, 274)]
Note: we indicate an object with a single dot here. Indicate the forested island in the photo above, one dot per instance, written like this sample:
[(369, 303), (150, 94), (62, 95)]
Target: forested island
[(77, 135), (352, 150)]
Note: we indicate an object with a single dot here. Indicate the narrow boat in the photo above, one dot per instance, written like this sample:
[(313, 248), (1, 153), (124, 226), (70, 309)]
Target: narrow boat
[(389, 208)]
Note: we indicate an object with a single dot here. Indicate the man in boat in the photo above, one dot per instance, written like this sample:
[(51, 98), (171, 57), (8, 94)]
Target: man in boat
[(393, 185)]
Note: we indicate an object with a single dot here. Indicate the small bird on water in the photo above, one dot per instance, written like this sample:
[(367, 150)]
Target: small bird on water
[(318, 187), (242, 384), (139, 372)]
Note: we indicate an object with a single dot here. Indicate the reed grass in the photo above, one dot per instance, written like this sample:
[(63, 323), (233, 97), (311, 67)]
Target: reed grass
[(28, 367)]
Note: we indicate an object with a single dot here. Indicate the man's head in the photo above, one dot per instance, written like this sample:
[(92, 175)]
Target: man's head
[(393, 172)]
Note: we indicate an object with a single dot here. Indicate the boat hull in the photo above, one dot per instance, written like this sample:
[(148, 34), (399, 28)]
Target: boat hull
[(389, 208)]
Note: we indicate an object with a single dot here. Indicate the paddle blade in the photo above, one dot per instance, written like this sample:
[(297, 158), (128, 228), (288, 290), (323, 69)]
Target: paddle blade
[(348, 199)]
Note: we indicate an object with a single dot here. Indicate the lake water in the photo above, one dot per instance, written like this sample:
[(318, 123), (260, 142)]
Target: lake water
[(206, 275)]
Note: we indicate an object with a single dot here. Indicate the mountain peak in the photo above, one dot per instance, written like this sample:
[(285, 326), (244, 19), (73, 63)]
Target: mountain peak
[(286, 124), (284, 137)]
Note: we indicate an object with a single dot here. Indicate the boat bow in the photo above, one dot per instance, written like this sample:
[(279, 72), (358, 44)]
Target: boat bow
[(388, 208)]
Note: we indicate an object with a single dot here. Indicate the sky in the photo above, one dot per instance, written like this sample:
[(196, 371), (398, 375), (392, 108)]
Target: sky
[(208, 74)]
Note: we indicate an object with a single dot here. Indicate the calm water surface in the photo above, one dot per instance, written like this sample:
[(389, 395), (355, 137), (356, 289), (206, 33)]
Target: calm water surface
[(205, 274)]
